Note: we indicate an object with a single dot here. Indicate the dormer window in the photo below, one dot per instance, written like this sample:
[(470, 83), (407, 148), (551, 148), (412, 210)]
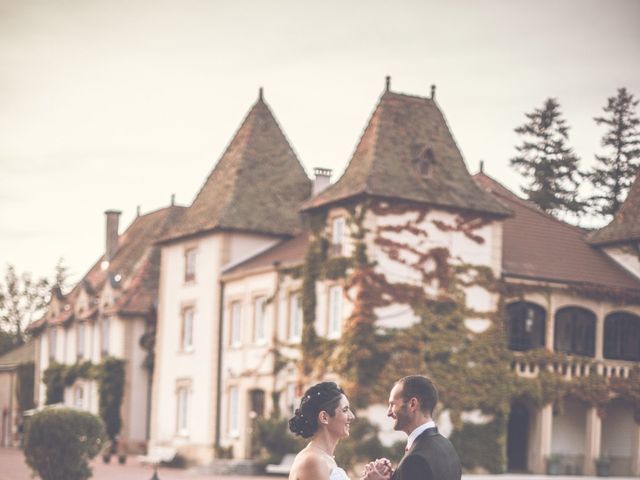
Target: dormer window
[(190, 265), (424, 164), (337, 236)]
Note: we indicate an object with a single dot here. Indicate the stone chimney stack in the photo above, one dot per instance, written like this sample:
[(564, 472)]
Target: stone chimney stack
[(113, 218), (322, 180)]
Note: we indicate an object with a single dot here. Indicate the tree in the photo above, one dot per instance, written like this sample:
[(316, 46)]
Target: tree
[(545, 160), (22, 298), (61, 279), (616, 170)]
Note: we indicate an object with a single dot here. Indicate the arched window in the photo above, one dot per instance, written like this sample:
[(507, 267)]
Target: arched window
[(526, 326), (575, 331), (622, 336)]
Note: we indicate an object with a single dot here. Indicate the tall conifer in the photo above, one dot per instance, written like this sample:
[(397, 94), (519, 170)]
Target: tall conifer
[(616, 170), (547, 163)]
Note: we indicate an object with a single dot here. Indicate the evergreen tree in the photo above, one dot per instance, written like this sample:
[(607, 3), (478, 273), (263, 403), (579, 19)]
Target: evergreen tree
[(547, 163), (616, 170)]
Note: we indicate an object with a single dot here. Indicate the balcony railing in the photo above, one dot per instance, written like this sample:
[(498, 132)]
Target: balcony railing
[(572, 369)]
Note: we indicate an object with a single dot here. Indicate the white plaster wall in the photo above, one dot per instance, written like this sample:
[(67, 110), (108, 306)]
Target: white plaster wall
[(617, 430), (462, 249), (626, 257), (569, 429), (172, 364), (117, 337), (198, 366)]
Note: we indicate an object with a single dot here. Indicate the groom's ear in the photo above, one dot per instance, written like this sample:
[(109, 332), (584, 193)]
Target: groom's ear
[(414, 404)]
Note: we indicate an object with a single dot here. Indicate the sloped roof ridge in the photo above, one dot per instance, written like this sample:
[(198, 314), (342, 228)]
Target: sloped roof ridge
[(509, 195), (374, 148), (249, 115), (625, 225)]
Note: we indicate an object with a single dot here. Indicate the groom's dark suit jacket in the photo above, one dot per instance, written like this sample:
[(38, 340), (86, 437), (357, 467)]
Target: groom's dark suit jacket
[(431, 457)]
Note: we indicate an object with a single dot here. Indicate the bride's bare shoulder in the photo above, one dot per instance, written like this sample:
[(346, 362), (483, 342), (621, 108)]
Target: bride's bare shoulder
[(308, 465)]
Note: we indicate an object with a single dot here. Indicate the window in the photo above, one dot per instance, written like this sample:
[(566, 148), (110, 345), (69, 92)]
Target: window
[(235, 338), (183, 410), (190, 264), (52, 344), (259, 333), (424, 163), (80, 340), (295, 318), (234, 411), (526, 326), (78, 397), (187, 329), (622, 336), (291, 398), (575, 331), (104, 337), (335, 311), (337, 236)]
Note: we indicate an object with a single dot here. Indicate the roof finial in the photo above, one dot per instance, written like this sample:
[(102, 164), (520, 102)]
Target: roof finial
[(388, 83), (173, 199), (433, 92), (260, 93), (138, 211), (481, 166)]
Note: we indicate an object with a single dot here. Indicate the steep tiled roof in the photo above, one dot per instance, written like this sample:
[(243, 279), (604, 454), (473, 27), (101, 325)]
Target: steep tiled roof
[(257, 185), (286, 253), (136, 246), (625, 226), (134, 270), (536, 245), (408, 152)]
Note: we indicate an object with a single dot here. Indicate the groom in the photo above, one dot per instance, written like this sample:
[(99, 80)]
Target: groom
[(428, 455)]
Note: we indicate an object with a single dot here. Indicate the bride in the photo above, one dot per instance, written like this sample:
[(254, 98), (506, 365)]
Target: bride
[(324, 416)]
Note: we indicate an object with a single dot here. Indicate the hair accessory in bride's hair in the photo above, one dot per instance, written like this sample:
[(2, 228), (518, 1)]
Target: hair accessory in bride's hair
[(323, 396)]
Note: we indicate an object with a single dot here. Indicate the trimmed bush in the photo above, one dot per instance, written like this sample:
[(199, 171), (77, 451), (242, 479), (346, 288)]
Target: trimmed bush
[(59, 442)]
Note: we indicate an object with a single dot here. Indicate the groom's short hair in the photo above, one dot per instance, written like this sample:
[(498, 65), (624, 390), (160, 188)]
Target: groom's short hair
[(422, 389)]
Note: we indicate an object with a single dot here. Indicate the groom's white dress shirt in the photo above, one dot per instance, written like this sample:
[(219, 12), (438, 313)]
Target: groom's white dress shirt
[(416, 433)]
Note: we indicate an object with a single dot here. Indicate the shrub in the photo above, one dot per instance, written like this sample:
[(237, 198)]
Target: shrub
[(272, 439), (59, 442), (363, 445)]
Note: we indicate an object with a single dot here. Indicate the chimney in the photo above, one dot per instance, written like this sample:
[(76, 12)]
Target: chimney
[(322, 180), (113, 217)]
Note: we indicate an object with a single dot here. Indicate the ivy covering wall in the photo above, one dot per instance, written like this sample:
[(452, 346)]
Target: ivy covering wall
[(472, 370), (109, 374)]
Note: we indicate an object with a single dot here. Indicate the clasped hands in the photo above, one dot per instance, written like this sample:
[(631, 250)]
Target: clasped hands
[(380, 469)]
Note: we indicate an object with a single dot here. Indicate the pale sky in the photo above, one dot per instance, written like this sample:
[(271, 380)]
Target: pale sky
[(113, 104)]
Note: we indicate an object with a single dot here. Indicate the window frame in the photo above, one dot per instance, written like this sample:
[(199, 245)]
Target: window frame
[(187, 316), (259, 319), (335, 320), (621, 334), (190, 264), (235, 323), (295, 324)]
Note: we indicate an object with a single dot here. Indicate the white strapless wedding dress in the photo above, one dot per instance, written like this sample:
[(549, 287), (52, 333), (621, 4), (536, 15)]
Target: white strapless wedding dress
[(338, 474)]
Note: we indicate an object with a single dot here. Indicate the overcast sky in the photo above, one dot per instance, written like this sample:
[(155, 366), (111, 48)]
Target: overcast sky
[(113, 104)]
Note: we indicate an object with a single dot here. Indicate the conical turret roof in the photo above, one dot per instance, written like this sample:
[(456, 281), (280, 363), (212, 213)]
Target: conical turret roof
[(408, 152), (625, 226), (256, 186)]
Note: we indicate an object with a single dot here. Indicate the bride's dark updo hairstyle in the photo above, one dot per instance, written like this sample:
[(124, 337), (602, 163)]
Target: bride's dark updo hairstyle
[(323, 396)]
